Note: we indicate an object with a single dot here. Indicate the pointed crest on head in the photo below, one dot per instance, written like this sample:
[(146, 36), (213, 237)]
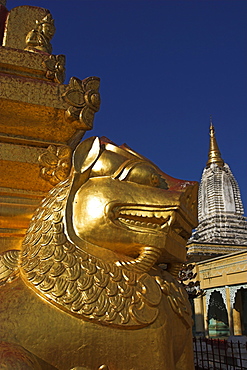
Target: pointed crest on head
[(86, 154)]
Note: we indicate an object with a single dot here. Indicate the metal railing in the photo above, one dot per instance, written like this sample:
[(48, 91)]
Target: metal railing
[(219, 354)]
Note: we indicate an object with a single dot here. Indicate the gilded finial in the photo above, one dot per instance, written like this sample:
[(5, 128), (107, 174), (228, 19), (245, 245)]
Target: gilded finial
[(211, 120), (214, 155)]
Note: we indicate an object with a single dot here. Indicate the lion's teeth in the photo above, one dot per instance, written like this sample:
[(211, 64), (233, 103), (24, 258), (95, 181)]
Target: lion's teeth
[(157, 215), (145, 218), (149, 225)]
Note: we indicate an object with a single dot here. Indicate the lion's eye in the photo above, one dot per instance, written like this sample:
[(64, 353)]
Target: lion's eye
[(145, 174), (155, 180)]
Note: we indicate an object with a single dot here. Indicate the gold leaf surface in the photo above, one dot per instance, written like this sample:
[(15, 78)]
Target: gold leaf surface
[(79, 283)]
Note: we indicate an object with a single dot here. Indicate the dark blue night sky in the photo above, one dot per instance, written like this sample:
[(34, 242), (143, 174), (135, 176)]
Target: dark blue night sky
[(165, 67)]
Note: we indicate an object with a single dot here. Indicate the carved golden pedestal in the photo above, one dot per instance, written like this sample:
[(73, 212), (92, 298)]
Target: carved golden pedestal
[(36, 110)]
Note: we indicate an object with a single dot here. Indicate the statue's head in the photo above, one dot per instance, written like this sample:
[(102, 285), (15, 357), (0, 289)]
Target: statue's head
[(46, 26), (122, 204), (100, 234)]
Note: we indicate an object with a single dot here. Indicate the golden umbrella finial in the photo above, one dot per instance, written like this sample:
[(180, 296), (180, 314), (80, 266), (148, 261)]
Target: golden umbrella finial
[(214, 155)]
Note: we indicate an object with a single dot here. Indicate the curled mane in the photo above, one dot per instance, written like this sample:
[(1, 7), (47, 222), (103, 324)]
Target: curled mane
[(78, 282)]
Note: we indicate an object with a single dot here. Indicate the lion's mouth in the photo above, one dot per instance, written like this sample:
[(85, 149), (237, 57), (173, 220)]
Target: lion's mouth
[(148, 219), (144, 219), (155, 220)]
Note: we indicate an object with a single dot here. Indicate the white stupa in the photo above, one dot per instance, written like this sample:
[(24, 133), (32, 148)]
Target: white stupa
[(222, 227)]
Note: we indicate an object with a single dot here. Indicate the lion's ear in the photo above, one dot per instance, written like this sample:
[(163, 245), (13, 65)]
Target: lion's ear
[(86, 154)]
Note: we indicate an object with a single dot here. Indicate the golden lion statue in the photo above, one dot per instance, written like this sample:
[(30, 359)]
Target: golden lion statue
[(94, 286)]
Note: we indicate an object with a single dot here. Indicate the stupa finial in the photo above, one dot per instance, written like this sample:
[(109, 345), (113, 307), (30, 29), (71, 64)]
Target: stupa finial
[(214, 155), (211, 121)]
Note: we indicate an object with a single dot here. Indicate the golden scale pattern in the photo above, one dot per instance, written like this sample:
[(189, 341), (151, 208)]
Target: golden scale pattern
[(81, 283), (77, 281), (8, 266), (177, 298)]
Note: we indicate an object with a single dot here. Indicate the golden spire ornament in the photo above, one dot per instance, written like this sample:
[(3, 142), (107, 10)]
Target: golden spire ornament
[(214, 155)]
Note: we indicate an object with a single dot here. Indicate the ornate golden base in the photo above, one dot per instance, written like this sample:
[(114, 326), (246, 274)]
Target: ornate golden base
[(65, 342)]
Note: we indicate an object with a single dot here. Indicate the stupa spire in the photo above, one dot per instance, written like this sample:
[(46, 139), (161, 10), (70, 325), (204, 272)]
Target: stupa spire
[(222, 227), (214, 155)]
